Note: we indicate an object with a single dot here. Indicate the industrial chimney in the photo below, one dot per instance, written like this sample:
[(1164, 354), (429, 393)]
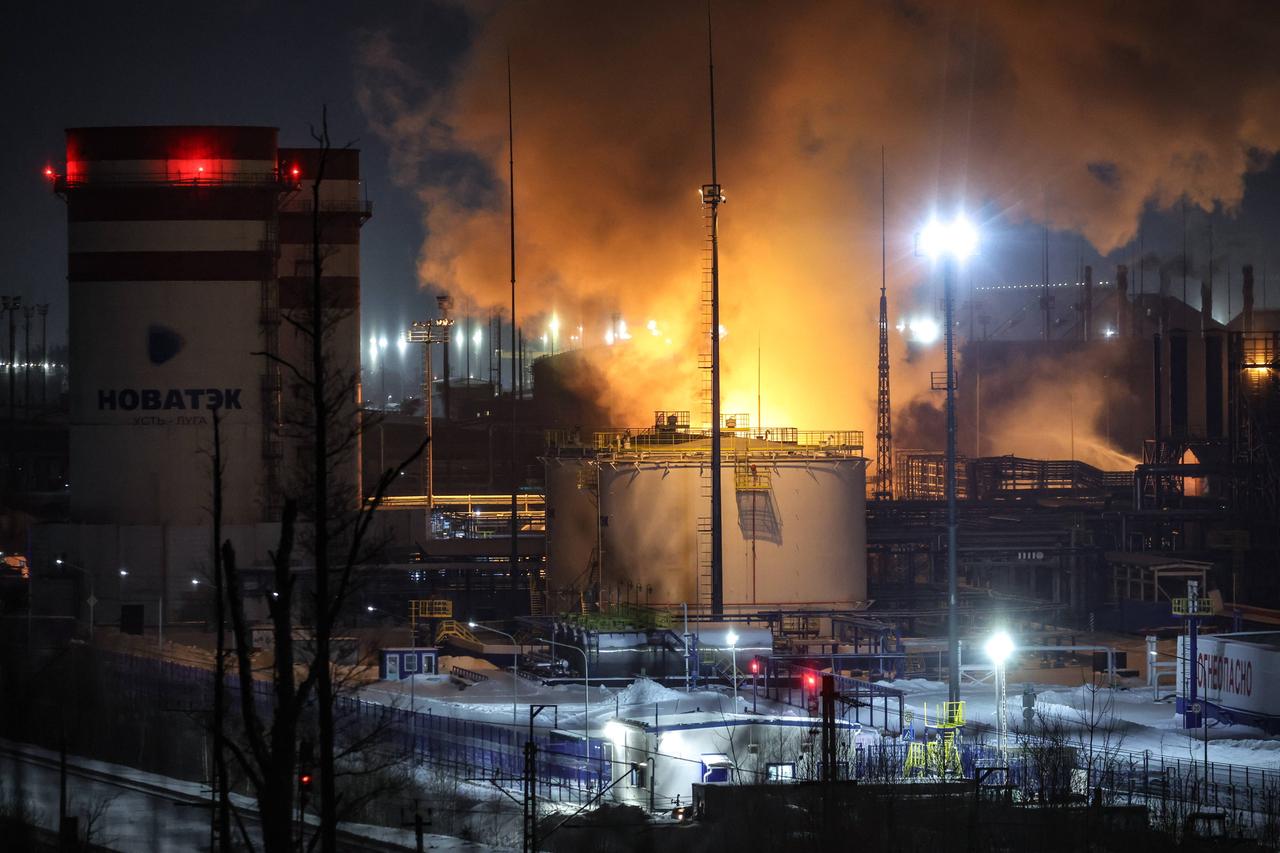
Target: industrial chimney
[(1247, 293), (1213, 376)]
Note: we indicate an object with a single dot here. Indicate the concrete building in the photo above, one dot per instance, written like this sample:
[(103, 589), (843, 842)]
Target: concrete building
[(189, 250)]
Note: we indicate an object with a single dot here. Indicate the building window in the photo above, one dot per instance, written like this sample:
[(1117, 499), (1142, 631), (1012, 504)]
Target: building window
[(640, 775), (780, 772), (411, 662)]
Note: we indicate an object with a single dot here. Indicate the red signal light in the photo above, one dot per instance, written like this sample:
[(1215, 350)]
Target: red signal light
[(755, 665), (295, 171), (48, 171), (305, 780), (811, 680)]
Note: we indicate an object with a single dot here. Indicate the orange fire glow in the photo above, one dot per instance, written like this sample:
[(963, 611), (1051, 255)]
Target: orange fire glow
[(971, 107)]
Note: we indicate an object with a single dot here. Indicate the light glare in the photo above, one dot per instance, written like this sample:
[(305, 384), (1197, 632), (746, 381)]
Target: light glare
[(924, 330), (958, 238), (999, 647)]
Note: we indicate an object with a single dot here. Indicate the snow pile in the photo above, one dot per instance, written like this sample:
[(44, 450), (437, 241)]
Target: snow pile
[(646, 691), (914, 685), (448, 662)]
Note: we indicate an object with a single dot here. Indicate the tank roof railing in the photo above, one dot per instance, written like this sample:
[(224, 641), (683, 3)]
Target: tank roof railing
[(692, 443)]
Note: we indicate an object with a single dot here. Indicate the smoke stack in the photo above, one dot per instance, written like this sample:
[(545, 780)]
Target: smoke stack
[(1206, 306), (1213, 384), (1178, 408), (1157, 376), (1166, 282), (1247, 293), (1122, 298), (1088, 303)]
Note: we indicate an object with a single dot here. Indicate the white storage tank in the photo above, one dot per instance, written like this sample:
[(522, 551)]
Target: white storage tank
[(571, 530), (794, 523)]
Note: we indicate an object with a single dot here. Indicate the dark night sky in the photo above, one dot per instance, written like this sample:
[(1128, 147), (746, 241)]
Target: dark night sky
[(67, 65), (276, 64)]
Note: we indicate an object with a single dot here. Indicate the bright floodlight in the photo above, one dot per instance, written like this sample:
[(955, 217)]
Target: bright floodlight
[(924, 330), (124, 573), (999, 647), (369, 608), (731, 638), (471, 624), (958, 238)]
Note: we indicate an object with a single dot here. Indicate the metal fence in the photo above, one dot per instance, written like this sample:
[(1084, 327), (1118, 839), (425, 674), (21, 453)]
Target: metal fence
[(568, 767), (571, 769), (1173, 790)]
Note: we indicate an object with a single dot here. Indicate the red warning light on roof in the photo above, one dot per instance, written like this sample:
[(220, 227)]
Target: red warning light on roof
[(48, 171), (811, 680), (755, 665), (295, 171)]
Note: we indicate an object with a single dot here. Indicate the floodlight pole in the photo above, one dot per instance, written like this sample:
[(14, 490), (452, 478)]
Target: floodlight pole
[(515, 664), (953, 628), (733, 649), (1002, 721)]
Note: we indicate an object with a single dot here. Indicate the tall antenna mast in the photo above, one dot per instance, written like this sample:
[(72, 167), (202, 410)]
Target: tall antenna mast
[(759, 405), (511, 184), (884, 431), (712, 198), (1046, 295)]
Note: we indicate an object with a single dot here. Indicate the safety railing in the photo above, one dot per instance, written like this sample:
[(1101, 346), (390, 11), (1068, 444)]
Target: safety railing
[(193, 178), (622, 617), (763, 443), (468, 675), (431, 608), (751, 478), (1200, 606)]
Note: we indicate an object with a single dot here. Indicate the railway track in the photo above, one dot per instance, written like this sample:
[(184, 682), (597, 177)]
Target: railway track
[(35, 757)]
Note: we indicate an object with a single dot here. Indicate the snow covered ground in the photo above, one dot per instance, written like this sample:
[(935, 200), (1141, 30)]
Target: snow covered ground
[(1136, 723), (492, 700), (158, 813)]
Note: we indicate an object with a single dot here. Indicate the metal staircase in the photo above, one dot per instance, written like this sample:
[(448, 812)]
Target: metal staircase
[(537, 596), (705, 313)]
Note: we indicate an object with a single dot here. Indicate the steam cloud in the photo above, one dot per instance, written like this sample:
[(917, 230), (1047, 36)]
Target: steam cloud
[(1080, 113)]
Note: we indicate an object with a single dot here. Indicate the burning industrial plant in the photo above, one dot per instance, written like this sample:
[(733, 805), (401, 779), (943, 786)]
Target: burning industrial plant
[(1016, 117)]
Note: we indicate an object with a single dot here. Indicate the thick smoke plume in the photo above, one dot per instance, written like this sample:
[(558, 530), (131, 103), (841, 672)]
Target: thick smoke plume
[(1080, 113)]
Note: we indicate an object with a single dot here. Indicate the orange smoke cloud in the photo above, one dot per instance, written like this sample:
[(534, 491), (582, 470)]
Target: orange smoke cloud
[(1085, 111)]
